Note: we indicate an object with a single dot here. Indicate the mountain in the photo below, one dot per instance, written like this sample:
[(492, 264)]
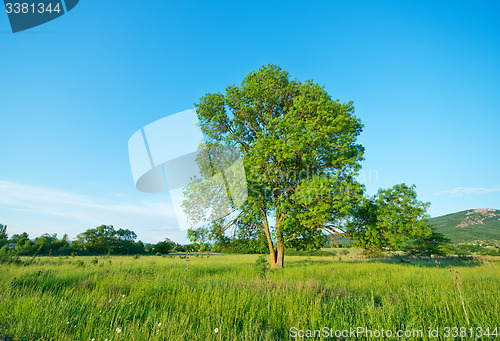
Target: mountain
[(470, 226)]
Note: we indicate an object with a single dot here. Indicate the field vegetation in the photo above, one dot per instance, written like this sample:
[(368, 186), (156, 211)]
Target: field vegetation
[(237, 297)]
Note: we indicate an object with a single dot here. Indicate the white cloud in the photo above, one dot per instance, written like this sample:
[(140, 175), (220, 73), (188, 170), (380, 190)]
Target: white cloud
[(36, 208), (460, 191)]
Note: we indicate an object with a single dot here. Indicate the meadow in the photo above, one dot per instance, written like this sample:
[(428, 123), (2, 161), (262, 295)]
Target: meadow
[(232, 297)]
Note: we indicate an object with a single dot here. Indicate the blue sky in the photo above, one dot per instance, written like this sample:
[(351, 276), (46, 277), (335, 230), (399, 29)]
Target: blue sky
[(424, 77)]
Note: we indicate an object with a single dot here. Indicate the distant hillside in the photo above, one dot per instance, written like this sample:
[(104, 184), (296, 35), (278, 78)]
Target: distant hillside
[(480, 225)]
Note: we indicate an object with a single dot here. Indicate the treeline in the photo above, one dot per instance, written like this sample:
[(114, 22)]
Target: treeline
[(102, 240)]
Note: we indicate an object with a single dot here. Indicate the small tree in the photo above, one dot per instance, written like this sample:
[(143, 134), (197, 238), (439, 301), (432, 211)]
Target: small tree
[(163, 247), (388, 219)]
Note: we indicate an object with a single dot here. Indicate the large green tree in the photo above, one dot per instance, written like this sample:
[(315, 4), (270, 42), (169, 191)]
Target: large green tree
[(299, 151), (301, 158)]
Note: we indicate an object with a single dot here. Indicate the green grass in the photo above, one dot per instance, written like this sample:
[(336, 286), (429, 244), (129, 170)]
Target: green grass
[(149, 298)]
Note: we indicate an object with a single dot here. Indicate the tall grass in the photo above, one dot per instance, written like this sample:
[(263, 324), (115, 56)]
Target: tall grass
[(225, 297)]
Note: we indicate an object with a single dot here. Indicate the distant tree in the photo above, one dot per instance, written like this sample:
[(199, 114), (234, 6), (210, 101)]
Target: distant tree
[(98, 240), (105, 239), (24, 246), (163, 247), (45, 244)]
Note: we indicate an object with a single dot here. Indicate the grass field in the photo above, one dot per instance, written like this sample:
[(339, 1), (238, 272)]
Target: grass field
[(224, 297)]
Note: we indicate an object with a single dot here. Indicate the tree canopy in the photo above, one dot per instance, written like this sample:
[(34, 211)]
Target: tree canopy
[(301, 157)]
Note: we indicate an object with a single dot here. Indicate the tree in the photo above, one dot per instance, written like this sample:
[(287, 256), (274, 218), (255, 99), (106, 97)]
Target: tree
[(98, 240), (299, 151), (105, 239), (24, 246), (389, 218), (164, 247), (301, 158)]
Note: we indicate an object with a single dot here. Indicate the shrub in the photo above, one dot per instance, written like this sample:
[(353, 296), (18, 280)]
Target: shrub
[(7, 256), (261, 266), (344, 252)]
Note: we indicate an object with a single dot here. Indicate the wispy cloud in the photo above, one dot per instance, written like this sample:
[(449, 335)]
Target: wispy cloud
[(460, 191), (47, 205)]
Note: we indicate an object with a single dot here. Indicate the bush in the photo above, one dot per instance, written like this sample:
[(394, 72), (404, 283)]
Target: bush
[(492, 251), (261, 266), (309, 253), (7, 256)]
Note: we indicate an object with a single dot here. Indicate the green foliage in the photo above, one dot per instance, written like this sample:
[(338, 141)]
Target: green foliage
[(388, 219), (105, 239), (492, 251), (301, 156), (432, 243), (261, 266), (299, 152), (163, 247), (308, 253), (7, 256), (4, 240)]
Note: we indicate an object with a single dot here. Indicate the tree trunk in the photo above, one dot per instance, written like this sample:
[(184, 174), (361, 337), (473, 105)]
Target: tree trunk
[(270, 243), (280, 257), (280, 246)]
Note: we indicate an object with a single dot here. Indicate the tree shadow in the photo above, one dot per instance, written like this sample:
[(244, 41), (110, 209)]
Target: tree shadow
[(432, 262)]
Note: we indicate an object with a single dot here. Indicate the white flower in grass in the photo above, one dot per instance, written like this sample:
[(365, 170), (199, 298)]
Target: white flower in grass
[(110, 300), (123, 295), (159, 324), (131, 302), (67, 322), (119, 317), (92, 339), (216, 330), (74, 326), (118, 330)]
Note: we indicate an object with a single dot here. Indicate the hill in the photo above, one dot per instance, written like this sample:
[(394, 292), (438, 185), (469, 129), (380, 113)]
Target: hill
[(469, 226)]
